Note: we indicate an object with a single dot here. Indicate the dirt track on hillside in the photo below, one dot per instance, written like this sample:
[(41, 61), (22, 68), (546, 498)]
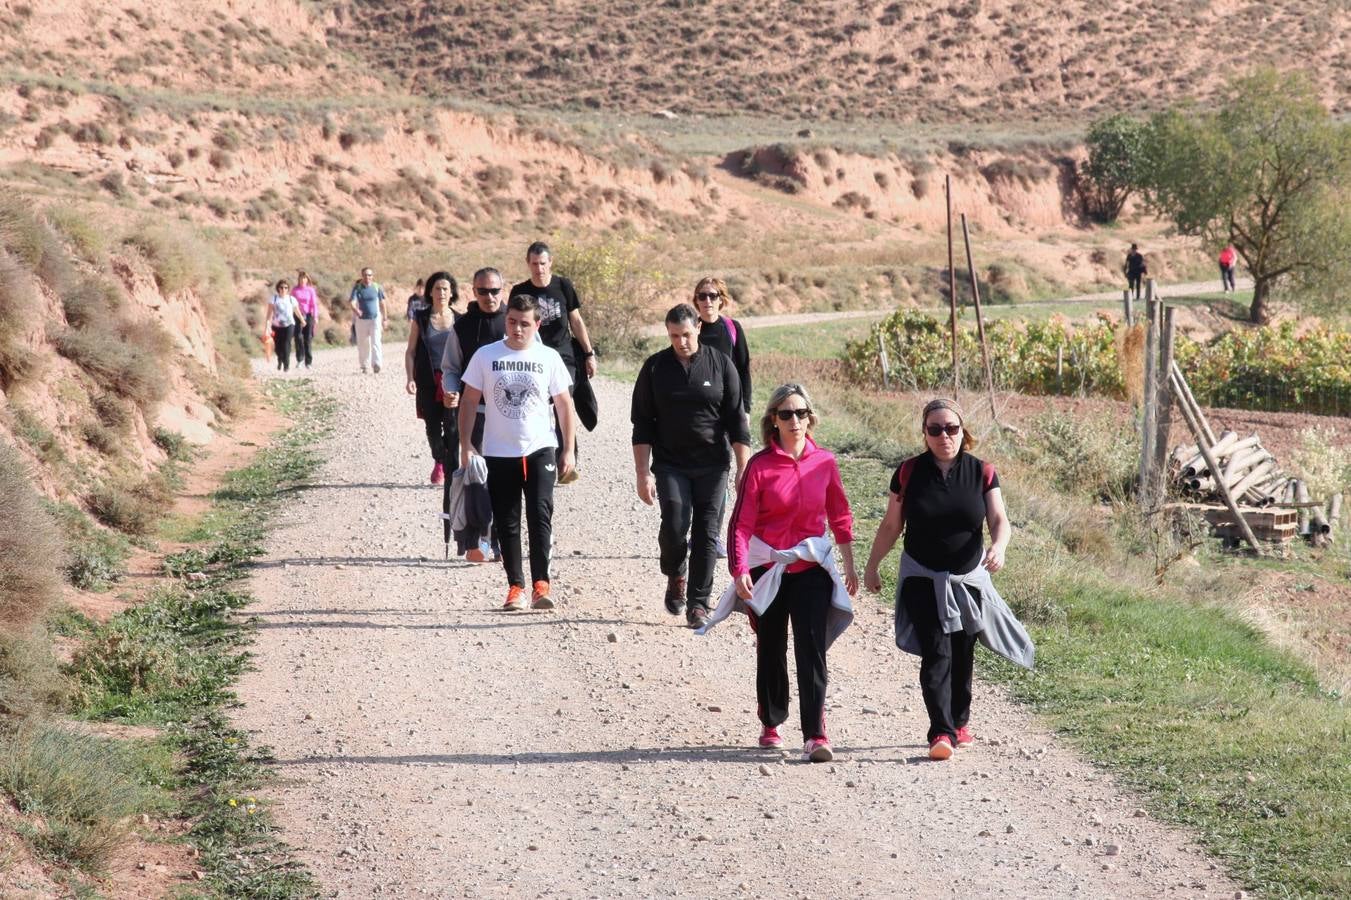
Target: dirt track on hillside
[(430, 745)]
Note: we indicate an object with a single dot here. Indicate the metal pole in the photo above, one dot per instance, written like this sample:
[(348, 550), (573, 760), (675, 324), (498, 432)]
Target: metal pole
[(980, 319), (952, 294)]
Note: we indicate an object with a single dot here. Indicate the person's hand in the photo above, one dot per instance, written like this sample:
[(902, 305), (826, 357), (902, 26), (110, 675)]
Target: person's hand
[(994, 559), (591, 366), (851, 581), (411, 386), (451, 399), (872, 580), (464, 458), (744, 586), (740, 475), (566, 463), (647, 488)]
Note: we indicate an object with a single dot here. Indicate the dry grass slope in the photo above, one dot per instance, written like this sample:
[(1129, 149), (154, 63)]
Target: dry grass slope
[(982, 60)]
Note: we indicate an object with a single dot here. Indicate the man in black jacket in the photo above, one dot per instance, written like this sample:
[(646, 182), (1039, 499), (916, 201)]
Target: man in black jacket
[(686, 409), (482, 324)]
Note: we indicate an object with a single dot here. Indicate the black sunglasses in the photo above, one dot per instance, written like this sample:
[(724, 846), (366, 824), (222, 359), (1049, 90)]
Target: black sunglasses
[(785, 414), (707, 295), (487, 292), (949, 430)]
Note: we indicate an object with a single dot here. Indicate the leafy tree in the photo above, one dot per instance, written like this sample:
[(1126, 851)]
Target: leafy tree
[(1268, 170), (1116, 154)]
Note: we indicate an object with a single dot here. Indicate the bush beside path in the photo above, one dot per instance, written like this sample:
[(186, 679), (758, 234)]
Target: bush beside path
[(430, 744)]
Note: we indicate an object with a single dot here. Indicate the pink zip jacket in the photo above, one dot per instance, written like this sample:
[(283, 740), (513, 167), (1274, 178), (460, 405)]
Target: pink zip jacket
[(783, 501)]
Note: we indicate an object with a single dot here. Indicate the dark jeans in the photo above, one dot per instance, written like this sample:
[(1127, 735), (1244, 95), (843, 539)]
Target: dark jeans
[(281, 344), (1134, 282), (691, 503), (508, 478), (945, 661), (443, 435), (804, 597), (305, 343), (1227, 277)]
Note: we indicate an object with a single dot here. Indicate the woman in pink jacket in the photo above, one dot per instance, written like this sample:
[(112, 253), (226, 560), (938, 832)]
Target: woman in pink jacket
[(790, 492)]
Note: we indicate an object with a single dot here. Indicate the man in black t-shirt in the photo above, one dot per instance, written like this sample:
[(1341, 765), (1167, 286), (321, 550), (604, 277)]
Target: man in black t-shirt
[(560, 316)]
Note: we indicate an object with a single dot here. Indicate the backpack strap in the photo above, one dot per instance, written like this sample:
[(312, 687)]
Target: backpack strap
[(731, 329), (903, 479)]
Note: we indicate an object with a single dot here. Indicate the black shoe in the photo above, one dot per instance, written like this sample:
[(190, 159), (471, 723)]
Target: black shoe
[(697, 617), (675, 594)]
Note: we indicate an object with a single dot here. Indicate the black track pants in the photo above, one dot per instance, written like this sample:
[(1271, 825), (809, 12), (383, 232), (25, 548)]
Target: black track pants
[(691, 503), (510, 478), (945, 661), (281, 344), (804, 598)]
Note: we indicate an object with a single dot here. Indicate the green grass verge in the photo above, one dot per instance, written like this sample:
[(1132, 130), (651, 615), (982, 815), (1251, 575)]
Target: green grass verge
[(1165, 687), (172, 661)]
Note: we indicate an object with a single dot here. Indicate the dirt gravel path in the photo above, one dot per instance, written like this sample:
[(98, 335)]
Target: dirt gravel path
[(430, 745)]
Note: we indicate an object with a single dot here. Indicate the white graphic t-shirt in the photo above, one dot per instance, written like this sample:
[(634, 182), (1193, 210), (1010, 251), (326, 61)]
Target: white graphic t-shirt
[(516, 386)]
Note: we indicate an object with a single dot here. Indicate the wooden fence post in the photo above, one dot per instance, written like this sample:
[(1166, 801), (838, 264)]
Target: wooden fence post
[(980, 321), (1149, 420), (1127, 304), (952, 294), (882, 358), (1164, 410)]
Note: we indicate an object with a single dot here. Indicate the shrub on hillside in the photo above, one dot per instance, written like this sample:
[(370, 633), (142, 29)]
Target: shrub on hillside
[(619, 296), (130, 359), (19, 309), (32, 552), (131, 508)]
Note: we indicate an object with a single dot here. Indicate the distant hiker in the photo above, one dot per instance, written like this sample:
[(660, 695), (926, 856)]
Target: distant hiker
[(945, 600), (368, 305), (417, 300), (283, 316), (783, 567), (308, 298), (428, 334), (483, 323), (1135, 269), (720, 332), (686, 408), (561, 326), (516, 377), (1228, 262)]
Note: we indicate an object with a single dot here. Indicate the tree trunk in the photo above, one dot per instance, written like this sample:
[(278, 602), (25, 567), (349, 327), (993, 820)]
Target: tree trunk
[(1259, 313)]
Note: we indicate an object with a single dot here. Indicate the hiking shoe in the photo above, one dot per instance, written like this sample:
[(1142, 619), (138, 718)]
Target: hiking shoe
[(940, 747), (964, 738), (438, 474), (769, 737), (515, 597), (363, 370), (569, 476), (697, 617), (818, 749), (675, 594), (375, 369), (478, 554), (539, 597)]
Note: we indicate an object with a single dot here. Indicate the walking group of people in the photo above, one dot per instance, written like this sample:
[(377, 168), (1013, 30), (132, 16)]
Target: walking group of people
[(1136, 269), (291, 315), (503, 386)]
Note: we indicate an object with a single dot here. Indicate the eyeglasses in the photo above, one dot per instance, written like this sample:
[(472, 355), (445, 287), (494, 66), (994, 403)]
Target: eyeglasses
[(487, 292), (949, 430), (708, 296), (785, 415)]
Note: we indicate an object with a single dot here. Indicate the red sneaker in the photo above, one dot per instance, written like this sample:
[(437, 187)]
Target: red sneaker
[(539, 597), (940, 747), (818, 749), (515, 597), (964, 738), (769, 737), (438, 474)]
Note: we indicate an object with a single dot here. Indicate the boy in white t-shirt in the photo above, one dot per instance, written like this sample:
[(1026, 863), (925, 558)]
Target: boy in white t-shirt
[(516, 378)]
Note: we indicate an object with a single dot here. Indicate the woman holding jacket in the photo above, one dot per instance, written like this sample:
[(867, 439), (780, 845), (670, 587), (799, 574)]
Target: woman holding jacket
[(942, 500), (784, 569)]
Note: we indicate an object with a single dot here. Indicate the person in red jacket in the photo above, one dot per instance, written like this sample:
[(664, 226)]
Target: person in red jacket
[(1228, 260), (790, 494)]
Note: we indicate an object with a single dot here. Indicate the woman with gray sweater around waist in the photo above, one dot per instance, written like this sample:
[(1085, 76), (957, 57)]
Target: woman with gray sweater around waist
[(945, 600)]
